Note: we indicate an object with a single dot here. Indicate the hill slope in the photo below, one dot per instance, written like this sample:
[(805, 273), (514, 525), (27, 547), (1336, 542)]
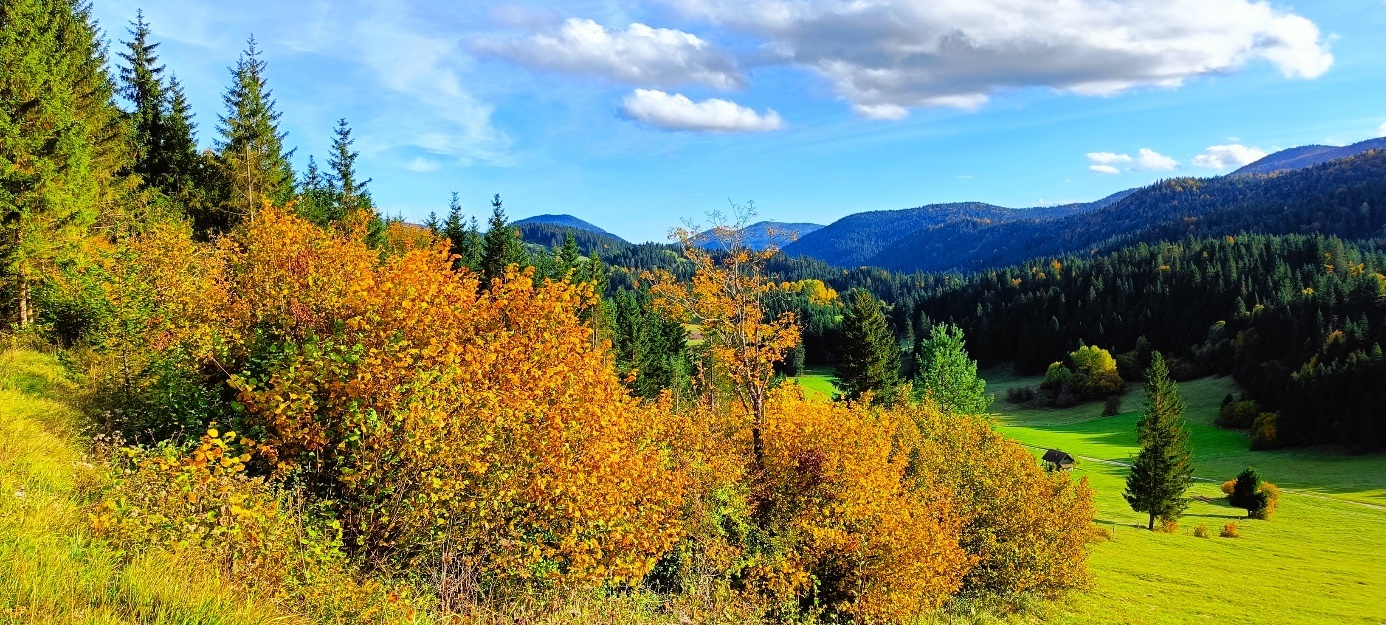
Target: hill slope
[(1308, 156), (763, 234), (563, 221), (1346, 198), (857, 238)]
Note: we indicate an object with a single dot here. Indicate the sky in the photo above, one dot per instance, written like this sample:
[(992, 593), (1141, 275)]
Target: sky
[(641, 115)]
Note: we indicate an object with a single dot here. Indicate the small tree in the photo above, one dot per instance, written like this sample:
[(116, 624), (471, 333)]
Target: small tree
[(1163, 469), (501, 246), (948, 376), (1247, 493), (870, 356), (1113, 406)]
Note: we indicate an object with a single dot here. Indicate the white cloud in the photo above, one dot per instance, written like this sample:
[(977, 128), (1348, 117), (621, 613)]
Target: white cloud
[(1150, 160), (677, 112), (1222, 157), (422, 165), (1381, 130), (638, 55), (1107, 158), (1104, 169), (887, 56)]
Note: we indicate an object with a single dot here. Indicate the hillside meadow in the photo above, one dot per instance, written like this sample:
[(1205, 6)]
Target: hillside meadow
[(1316, 562)]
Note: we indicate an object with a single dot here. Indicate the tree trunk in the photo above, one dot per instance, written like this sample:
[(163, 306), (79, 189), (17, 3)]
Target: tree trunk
[(1151, 526), (25, 311)]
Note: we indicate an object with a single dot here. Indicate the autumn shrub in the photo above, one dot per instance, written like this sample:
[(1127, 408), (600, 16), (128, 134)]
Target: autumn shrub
[(438, 418), (1264, 433), (862, 542), (1202, 531), (1271, 492), (198, 505), (1167, 526), (1228, 486), (1230, 530), (1026, 528), (1238, 414)]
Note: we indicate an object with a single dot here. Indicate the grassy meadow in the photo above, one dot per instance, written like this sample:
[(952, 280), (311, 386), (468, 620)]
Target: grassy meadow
[(1317, 561)]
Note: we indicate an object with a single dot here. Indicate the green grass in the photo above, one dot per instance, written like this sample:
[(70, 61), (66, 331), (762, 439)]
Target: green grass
[(1318, 561), (51, 571), (818, 383)]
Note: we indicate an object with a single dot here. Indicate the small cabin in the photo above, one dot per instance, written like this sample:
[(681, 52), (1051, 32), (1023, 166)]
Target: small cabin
[(1058, 460)]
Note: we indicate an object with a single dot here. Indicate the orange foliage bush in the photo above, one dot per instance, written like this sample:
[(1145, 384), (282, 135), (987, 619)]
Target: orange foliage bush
[(1026, 527), (1229, 486), (433, 414), (865, 543), (1230, 530)]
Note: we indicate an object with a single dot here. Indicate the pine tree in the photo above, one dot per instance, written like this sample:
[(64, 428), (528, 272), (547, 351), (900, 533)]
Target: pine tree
[(1163, 470), (62, 142), (947, 375), (315, 200), (566, 257), (1246, 493), (180, 170), (502, 246), (870, 356), (254, 165), (348, 190), (432, 223), (143, 86)]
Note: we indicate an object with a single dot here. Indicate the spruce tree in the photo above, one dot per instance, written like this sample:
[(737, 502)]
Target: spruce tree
[(432, 223), (870, 356), (947, 375), (254, 165), (315, 200), (62, 142), (348, 189), (1246, 493), (502, 246), (180, 170), (1163, 470), (143, 86), (566, 257)]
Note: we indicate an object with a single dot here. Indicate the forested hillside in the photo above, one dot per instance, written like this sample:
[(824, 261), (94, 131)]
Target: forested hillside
[(1346, 198), (1308, 156)]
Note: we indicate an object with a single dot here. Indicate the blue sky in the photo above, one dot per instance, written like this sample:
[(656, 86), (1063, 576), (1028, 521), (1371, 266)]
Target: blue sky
[(637, 114)]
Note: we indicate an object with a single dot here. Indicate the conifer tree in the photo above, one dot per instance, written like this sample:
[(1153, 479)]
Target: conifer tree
[(315, 199), (254, 165), (566, 257), (1246, 493), (432, 223), (143, 86), (348, 189), (62, 142), (179, 168), (502, 246), (947, 375), (870, 356), (1163, 470)]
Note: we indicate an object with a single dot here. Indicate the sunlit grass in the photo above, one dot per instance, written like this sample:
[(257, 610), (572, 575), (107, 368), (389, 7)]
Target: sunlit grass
[(1317, 561)]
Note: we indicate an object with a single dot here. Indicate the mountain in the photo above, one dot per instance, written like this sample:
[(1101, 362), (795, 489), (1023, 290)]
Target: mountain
[(763, 234), (856, 239), (565, 221), (1307, 156), (549, 231), (1344, 198)]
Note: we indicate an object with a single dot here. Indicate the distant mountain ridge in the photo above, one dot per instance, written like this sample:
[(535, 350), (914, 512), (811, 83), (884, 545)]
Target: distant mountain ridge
[(763, 234), (1308, 156), (566, 221), (1344, 197), (856, 238)]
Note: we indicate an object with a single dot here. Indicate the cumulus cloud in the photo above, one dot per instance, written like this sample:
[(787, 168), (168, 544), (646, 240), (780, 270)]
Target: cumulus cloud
[(1381, 130), (887, 56), (1104, 169), (1222, 157), (638, 55), (1107, 158), (1150, 160), (677, 112)]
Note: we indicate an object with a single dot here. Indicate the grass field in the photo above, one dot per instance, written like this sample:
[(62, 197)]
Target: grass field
[(818, 383), (1318, 561)]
